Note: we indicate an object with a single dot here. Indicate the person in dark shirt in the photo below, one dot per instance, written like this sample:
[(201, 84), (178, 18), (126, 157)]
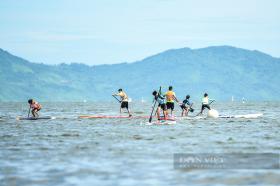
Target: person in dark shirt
[(186, 106)]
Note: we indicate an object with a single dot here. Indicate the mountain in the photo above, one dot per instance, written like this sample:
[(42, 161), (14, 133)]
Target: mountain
[(21, 79), (222, 71)]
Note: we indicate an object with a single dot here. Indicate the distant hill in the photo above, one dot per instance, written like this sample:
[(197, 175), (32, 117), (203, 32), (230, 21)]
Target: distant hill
[(21, 79), (222, 71)]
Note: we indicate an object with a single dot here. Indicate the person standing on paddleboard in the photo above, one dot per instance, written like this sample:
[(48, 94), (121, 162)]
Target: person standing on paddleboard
[(170, 97), (161, 105), (205, 103), (186, 106), (35, 106), (123, 101)]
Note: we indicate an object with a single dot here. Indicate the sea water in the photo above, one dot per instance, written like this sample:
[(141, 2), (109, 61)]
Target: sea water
[(72, 151)]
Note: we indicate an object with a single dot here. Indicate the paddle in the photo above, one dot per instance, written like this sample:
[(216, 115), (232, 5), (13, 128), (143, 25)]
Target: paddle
[(155, 102), (29, 111), (190, 109), (116, 98), (211, 102)]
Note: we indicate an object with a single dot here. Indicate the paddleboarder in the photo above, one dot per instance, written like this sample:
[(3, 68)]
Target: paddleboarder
[(35, 106), (170, 98), (205, 103), (161, 105), (186, 106), (123, 101)]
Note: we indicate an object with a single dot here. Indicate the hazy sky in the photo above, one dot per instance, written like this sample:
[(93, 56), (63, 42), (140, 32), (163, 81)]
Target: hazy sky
[(113, 31)]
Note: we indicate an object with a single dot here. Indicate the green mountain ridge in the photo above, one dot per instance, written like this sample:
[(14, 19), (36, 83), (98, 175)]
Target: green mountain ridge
[(222, 71)]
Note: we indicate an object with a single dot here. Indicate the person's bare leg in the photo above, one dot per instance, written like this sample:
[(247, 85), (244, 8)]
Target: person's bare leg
[(165, 114), (184, 112), (36, 113), (33, 114), (187, 111), (129, 114), (158, 113)]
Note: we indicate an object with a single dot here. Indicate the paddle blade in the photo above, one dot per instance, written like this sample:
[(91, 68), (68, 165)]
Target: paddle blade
[(29, 111)]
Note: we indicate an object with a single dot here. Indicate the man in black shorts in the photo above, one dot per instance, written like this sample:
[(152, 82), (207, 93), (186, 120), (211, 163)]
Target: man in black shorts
[(170, 97), (205, 103), (124, 101)]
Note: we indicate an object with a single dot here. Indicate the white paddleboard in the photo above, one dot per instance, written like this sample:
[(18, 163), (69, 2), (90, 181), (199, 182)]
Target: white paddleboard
[(32, 118), (161, 122), (246, 116), (191, 117)]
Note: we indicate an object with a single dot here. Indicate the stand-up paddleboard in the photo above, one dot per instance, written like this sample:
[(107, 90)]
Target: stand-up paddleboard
[(119, 117), (246, 116), (191, 117), (161, 122), (32, 118), (169, 118), (242, 116), (109, 117)]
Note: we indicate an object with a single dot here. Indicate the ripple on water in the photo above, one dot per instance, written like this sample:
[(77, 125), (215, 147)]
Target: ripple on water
[(137, 137), (6, 136), (93, 152), (70, 135)]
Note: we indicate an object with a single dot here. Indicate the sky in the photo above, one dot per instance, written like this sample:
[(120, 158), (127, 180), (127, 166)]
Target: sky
[(114, 31)]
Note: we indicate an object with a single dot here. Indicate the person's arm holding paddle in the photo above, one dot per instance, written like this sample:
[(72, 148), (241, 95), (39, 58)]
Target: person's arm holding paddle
[(211, 101), (191, 109), (114, 96)]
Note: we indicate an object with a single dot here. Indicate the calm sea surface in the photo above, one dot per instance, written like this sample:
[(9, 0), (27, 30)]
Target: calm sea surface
[(72, 151)]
